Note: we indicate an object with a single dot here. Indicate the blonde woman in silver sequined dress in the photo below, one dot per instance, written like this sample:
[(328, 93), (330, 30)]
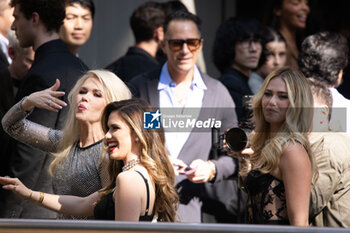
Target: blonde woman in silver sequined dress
[(141, 186), (78, 168)]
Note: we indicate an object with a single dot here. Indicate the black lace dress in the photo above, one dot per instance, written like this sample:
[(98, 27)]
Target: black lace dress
[(266, 199)]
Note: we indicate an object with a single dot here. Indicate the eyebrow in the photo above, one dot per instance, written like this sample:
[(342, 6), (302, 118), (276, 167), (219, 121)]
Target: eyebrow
[(85, 88), (279, 92)]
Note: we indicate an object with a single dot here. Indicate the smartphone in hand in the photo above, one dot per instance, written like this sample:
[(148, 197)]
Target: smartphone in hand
[(183, 172)]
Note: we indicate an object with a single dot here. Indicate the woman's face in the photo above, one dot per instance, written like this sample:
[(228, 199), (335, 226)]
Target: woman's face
[(293, 13), (90, 101), (121, 140), (275, 102), (276, 57)]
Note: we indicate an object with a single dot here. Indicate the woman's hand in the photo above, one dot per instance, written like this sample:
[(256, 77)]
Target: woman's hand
[(45, 99), (16, 186)]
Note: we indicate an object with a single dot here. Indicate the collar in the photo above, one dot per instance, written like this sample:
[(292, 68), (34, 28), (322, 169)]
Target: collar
[(51, 46), (166, 81), (236, 73)]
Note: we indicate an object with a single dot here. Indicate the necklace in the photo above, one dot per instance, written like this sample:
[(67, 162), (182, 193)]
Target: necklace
[(130, 164)]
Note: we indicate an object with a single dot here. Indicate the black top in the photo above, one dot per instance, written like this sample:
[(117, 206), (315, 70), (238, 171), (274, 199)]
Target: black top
[(104, 209), (266, 199), (136, 61), (237, 85)]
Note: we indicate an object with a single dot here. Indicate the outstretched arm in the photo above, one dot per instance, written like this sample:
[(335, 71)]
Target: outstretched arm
[(65, 204), (28, 132)]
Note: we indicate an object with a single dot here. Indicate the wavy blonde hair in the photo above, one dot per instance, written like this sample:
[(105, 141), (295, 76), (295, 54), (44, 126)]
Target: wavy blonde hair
[(153, 156), (296, 127), (114, 89)]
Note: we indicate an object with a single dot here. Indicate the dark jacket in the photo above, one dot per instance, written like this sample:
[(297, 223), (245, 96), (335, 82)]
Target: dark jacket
[(136, 61), (237, 84)]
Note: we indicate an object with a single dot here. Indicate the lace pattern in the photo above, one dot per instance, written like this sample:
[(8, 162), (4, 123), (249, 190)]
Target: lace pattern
[(266, 199)]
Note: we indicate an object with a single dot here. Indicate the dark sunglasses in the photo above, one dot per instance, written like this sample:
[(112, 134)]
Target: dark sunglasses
[(192, 44)]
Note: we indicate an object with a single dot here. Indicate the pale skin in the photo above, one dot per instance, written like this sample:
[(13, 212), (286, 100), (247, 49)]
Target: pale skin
[(130, 195), (294, 168)]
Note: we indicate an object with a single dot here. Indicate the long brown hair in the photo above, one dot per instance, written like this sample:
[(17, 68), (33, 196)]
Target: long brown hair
[(153, 156)]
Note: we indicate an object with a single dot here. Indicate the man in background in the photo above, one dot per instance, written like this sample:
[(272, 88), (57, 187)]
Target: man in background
[(77, 25), (10, 79), (147, 26), (6, 19)]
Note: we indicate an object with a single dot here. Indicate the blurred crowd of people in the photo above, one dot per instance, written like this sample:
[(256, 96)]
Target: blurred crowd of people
[(74, 143)]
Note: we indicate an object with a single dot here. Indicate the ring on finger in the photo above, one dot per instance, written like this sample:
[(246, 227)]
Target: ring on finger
[(49, 102), (14, 189)]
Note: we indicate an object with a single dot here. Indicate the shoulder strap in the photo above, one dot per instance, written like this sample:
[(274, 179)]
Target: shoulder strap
[(147, 188)]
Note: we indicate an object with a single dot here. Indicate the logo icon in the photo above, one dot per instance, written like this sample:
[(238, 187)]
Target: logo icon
[(151, 120)]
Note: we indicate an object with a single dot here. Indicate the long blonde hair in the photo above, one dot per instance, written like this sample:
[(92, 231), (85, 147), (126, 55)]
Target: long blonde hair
[(153, 156), (114, 89), (296, 127)]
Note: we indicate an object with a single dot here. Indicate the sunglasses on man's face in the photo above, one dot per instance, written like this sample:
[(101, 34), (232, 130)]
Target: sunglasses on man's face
[(192, 44)]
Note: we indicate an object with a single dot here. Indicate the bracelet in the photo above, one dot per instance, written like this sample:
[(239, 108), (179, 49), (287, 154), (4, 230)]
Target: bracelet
[(41, 198)]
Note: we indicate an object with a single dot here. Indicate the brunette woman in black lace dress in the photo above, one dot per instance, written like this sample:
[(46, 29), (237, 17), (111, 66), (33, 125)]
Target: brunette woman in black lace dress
[(280, 172)]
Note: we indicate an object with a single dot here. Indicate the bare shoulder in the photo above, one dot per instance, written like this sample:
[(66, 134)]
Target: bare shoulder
[(294, 155), (293, 149), (128, 179)]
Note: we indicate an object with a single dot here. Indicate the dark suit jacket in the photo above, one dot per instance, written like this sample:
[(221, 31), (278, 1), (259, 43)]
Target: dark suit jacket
[(52, 61), (220, 106), (136, 61), (3, 60), (7, 99)]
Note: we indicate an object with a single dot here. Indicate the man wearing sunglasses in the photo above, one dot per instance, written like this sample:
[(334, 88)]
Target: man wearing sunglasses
[(179, 84)]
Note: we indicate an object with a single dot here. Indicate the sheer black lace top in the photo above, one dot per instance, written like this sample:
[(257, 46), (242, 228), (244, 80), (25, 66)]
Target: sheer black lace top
[(104, 209), (266, 199)]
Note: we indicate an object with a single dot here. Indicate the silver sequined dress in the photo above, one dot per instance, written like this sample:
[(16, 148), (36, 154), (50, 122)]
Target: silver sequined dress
[(79, 173)]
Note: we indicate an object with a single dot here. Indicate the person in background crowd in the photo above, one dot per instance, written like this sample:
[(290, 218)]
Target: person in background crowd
[(273, 57), (6, 20), (141, 175), (77, 25), (324, 56), (181, 87), (147, 26), (10, 78), (289, 17), (330, 195), (236, 52), (77, 169), (36, 24), (281, 165)]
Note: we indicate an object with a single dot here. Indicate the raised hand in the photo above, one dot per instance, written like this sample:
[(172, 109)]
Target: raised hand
[(45, 99)]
